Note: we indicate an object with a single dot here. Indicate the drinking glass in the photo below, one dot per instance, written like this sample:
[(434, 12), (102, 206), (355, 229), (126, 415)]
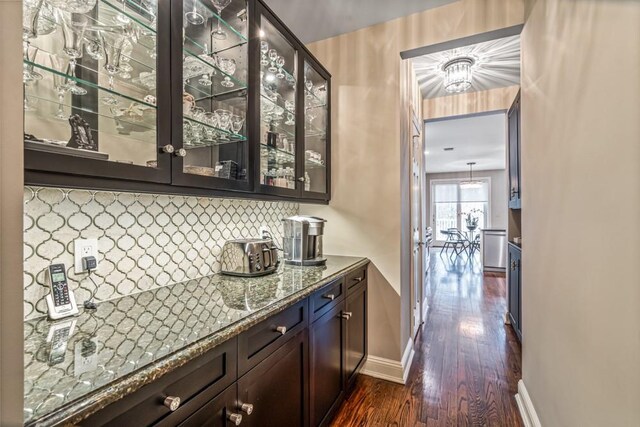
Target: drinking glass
[(308, 84), (273, 56), (236, 123), (194, 17), (38, 19), (264, 48), (113, 43), (228, 66), (224, 122), (73, 28), (61, 85), (280, 64), (29, 75), (219, 34)]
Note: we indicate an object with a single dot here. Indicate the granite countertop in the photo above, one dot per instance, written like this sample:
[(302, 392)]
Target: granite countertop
[(131, 341)]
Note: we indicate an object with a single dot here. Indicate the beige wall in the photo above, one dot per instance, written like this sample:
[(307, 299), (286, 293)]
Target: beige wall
[(469, 103), (365, 212), (499, 197), (581, 180), (11, 179)]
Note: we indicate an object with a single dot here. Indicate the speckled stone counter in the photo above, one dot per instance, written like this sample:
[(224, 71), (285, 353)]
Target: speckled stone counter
[(129, 342)]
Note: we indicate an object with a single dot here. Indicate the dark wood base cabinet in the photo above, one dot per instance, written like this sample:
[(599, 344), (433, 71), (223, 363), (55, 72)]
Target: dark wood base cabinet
[(515, 289), (292, 369)]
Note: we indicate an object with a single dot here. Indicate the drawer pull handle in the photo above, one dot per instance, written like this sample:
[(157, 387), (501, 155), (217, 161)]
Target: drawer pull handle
[(357, 279), (281, 329), (246, 408), (346, 315), (329, 296), (236, 419), (172, 402)]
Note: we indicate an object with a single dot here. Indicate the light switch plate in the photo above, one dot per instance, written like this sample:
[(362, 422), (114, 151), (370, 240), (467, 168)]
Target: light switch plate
[(84, 248)]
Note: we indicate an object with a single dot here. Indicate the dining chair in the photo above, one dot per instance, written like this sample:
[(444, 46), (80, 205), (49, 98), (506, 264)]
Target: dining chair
[(460, 243), (449, 243)]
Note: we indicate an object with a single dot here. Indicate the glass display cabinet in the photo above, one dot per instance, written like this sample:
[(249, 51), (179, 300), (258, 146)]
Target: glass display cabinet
[(317, 153), (92, 103), (182, 96), (277, 125), (211, 139)]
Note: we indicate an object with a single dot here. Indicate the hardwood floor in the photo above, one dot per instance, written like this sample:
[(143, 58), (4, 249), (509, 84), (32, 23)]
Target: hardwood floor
[(467, 360)]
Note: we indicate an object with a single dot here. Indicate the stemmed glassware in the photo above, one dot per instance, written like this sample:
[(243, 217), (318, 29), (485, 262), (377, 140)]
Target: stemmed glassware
[(219, 34), (113, 43), (264, 48), (60, 84), (236, 123), (280, 64), (228, 66), (193, 16), (308, 84), (224, 122), (73, 28), (290, 106), (38, 19), (29, 75), (273, 56)]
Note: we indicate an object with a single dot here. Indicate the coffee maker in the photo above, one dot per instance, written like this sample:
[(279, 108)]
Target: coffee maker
[(303, 240)]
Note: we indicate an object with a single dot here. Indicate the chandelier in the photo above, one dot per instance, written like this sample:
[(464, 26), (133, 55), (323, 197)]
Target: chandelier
[(471, 183), (457, 74)]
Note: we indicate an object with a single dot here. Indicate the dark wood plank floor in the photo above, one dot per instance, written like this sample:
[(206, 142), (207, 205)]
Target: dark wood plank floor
[(467, 360)]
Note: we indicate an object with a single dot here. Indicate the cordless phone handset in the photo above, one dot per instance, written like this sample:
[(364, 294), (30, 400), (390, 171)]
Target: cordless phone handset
[(60, 301)]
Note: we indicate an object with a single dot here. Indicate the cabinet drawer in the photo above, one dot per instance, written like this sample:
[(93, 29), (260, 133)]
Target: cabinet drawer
[(356, 277), (194, 383), (255, 344), (325, 298)]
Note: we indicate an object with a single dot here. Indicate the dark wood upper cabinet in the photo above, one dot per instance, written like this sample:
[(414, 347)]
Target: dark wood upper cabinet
[(178, 98), (514, 154)]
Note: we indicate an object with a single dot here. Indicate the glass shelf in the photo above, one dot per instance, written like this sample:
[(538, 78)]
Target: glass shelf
[(312, 100), (89, 84), (276, 154), (195, 66), (233, 137), (312, 164)]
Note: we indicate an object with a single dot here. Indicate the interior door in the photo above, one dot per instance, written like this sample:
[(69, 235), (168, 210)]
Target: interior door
[(417, 229)]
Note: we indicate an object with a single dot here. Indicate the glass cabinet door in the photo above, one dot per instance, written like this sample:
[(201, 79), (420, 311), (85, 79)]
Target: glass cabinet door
[(278, 68), (316, 129), (90, 85), (214, 91)]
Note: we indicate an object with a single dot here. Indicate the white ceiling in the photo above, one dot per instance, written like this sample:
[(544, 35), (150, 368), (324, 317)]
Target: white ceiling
[(480, 139), (313, 20), (497, 65)]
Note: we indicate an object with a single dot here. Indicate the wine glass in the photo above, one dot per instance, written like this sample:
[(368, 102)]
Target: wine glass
[(224, 121), (280, 64), (236, 123), (60, 85), (219, 34), (38, 19), (228, 66), (273, 56), (264, 48), (308, 84), (73, 28), (29, 75), (113, 43), (194, 17)]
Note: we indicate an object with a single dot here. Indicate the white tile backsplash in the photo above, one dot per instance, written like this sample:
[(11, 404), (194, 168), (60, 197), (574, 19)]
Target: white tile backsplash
[(144, 240)]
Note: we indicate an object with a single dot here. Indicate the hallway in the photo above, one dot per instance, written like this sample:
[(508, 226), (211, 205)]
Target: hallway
[(467, 362)]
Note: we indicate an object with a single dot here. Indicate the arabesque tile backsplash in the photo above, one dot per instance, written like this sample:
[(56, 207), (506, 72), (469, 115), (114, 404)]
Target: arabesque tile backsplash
[(144, 240)]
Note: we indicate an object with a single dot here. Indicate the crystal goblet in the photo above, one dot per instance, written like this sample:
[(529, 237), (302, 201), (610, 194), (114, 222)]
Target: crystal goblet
[(219, 34), (228, 66)]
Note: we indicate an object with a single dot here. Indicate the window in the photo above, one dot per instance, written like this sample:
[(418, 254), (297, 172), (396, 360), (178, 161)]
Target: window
[(451, 202)]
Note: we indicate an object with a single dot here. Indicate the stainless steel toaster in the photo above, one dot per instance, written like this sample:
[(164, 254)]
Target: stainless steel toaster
[(249, 257)]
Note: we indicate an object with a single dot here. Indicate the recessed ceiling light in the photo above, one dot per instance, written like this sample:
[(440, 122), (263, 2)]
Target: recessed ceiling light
[(448, 149)]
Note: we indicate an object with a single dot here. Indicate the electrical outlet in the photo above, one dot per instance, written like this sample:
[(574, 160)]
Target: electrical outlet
[(84, 248)]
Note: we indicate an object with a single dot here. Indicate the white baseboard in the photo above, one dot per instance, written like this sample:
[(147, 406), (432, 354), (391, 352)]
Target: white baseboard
[(525, 406), (388, 369)]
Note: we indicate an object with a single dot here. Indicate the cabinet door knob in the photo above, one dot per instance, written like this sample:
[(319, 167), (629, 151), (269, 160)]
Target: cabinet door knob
[(168, 149), (357, 279), (346, 315), (281, 329), (236, 419), (181, 152), (329, 296), (513, 265), (301, 179), (246, 408), (172, 402)]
